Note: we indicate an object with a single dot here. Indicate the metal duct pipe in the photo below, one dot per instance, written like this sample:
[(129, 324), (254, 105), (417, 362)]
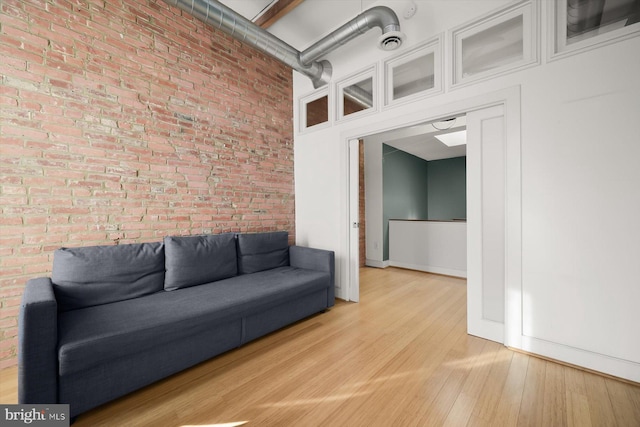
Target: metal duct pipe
[(219, 16), (379, 16)]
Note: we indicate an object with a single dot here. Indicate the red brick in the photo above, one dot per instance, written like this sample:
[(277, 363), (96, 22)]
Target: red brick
[(7, 323), (131, 139), (9, 312), (20, 34)]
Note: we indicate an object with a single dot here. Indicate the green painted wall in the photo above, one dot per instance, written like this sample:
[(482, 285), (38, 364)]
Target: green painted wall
[(404, 178), (416, 189), (447, 188)]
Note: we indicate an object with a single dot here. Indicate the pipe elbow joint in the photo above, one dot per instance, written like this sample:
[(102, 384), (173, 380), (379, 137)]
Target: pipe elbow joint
[(324, 76)]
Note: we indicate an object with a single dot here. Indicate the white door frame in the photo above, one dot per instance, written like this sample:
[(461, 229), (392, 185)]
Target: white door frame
[(510, 99), (353, 292)]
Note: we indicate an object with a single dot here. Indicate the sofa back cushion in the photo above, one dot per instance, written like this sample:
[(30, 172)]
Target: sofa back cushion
[(95, 275), (196, 260), (262, 251)]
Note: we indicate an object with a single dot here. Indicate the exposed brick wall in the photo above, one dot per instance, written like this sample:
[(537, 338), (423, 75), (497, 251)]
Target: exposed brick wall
[(125, 121)]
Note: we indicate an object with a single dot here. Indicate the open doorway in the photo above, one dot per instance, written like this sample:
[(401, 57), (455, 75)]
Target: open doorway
[(414, 177), (493, 206)]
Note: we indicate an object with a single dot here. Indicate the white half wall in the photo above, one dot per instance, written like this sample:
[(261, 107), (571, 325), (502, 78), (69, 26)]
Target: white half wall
[(432, 246)]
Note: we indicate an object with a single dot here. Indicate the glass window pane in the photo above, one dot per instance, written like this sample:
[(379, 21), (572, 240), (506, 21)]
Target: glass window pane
[(586, 19), (357, 97), (318, 111), (494, 47), (413, 76)]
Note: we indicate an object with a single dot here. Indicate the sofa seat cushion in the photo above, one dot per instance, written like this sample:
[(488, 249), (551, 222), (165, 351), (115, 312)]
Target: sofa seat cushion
[(91, 336)]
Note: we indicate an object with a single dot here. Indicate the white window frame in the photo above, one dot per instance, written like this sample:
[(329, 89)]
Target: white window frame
[(558, 46), (529, 10), (432, 46), (313, 96), (370, 72)]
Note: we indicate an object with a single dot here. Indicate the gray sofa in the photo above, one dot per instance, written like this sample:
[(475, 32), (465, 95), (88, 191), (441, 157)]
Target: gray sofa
[(112, 319)]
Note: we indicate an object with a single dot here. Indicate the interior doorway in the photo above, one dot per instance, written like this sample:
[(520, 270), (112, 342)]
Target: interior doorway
[(415, 174), (491, 263)]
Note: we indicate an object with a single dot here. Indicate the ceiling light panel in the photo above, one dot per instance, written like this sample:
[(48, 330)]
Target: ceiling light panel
[(453, 139)]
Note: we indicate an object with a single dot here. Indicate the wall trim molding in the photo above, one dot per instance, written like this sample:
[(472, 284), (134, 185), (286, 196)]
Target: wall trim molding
[(430, 269), (376, 264)]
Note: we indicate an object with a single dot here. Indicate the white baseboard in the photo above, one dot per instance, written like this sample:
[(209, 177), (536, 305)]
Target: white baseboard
[(616, 367), (375, 263), (430, 269)]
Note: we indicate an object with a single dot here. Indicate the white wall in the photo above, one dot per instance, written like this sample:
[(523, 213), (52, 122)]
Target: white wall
[(580, 135), (581, 201)]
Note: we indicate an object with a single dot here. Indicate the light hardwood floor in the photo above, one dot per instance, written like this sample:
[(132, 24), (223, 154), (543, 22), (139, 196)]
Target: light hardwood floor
[(401, 357)]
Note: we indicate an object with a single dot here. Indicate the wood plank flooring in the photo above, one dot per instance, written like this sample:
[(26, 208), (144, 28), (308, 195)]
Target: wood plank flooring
[(401, 357)]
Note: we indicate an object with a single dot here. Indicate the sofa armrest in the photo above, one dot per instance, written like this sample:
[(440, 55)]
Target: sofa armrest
[(315, 259), (37, 344)]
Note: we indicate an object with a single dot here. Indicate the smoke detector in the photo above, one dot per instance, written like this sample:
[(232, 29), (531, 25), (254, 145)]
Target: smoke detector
[(410, 10), (391, 40)]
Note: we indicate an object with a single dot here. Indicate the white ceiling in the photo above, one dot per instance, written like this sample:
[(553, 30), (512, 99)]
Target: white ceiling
[(306, 23), (428, 148), (421, 142), (247, 8)]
